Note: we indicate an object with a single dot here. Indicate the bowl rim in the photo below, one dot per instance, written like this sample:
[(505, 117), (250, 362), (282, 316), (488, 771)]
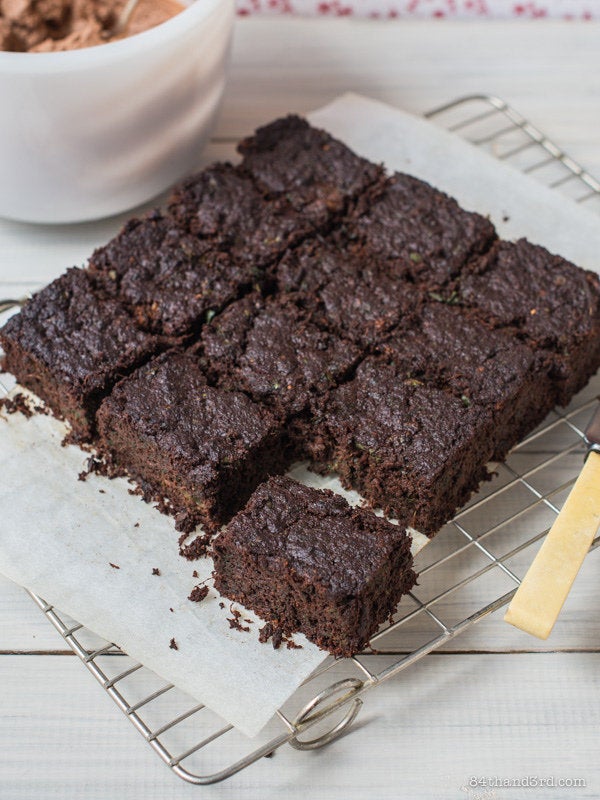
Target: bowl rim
[(89, 57)]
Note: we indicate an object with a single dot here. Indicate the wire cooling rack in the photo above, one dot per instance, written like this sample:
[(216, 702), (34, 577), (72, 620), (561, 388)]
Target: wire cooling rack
[(483, 551)]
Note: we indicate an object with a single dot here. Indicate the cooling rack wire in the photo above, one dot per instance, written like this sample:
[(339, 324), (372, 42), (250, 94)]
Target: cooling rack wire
[(483, 551)]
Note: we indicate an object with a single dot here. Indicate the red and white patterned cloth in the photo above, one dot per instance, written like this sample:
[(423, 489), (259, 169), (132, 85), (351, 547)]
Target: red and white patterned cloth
[(442, 9)]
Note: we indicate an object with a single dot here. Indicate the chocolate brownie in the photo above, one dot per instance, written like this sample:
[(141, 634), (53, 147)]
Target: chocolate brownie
[(169, 279), (410, 395), (222, 206), (345, 289), (544, 300), (319, 175), (70, 344), (271, 350), (406, 445), (448, 348), (421, 232), (202, 449), (305, 558)]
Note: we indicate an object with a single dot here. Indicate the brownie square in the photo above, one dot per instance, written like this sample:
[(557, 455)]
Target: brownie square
[(406, 445), (202, 449), (222, 206), (544, 300), (346, 289), (319, 175), (306, 559), (421, 232), (70, 344), (271, 350), (171, 281), (447, 347)]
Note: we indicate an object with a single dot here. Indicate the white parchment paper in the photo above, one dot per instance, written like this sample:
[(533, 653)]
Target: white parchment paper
[(60, 536)]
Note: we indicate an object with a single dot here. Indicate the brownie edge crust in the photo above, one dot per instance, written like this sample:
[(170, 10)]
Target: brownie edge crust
[(202, 449), (304, 558), (70, 344)]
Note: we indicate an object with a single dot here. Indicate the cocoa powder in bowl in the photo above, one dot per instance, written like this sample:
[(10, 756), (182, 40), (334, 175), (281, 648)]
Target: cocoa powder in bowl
[(42, 26)]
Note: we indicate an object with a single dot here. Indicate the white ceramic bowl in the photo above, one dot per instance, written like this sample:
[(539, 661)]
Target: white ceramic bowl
[(88, 133)]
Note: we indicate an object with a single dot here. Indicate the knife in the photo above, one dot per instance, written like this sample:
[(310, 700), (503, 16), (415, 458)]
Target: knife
[(544, 589)]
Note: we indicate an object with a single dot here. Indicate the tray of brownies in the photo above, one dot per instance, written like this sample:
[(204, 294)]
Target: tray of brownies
[(307, 305)]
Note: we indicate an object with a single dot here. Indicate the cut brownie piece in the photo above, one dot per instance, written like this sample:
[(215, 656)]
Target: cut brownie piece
[(202, 449), (305, 558), (70, 344), (271, 350), (450, 349), (346, 289), (545, 300), (407, 446), (169, 279), (222, 205), (318, 174), (421, 232)]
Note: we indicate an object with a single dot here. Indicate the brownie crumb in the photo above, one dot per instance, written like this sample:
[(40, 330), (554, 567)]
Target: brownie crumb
[(161, 505), (234, 621), (185, 522), (17, 404), (196, 549), (114, 566), (102, 491), (137, 525), (270, 755), (276, 634), (198, 594), (155, 571), (173, 645), (69, 438), (277, 638), (195, 574), (20, 403), (93, 466), (236, 625), (265, 633), (171, 610), (221, 605)]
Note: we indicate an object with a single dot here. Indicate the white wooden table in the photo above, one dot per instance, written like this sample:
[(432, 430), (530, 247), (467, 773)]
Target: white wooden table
[(495, 703)]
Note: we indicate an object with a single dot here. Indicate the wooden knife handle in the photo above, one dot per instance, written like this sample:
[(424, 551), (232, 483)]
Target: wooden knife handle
[(540, 597)]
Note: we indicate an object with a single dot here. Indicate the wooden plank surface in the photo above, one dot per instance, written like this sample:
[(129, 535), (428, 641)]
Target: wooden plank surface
[(423, 735), (501, 712), (549, 70)]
